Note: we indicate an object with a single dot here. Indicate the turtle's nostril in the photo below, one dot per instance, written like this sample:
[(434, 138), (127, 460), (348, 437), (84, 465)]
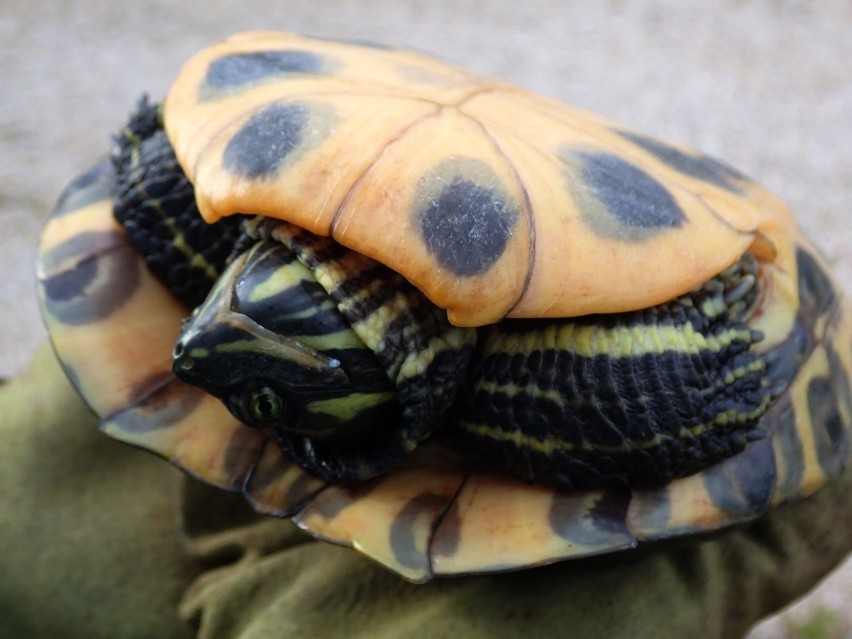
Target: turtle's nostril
[(180, 358)]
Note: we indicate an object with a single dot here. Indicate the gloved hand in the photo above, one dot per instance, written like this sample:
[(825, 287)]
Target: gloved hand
[(104, 541)]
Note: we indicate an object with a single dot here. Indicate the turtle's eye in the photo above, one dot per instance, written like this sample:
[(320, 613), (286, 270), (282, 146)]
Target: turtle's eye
[(265, 405)]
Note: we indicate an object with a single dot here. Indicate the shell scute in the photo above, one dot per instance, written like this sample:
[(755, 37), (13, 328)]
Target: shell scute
[(269, 137), (95, 293), (277, 486), (97, 298), (632, 214), (744, 487), (832, 440), (701, 167), (423, 216), (238, 71), (192, 430), (465, 224), (390, 520), (493, 525)]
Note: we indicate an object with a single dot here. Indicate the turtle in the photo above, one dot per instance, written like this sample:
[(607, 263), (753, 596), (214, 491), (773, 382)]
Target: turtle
[(455, 325)]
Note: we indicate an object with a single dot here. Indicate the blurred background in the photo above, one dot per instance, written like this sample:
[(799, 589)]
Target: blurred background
[(764, 84)]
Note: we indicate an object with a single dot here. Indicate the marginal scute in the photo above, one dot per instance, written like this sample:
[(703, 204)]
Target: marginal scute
[(619, 199), (196, 434), (465, 223), (271, 137), (277, 486), (88, 289), (696, 165), (240, 70), (842, 384), (420, 511), (413, 493), (605, 517), (781, 419), (745, 483), (816, 291), (160, 396), (89, 187), (649, 512), (828, 398)]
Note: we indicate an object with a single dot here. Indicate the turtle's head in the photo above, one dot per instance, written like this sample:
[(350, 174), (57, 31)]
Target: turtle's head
[(271, 345)]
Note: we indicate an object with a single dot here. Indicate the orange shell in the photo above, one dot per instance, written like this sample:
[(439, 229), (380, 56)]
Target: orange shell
[(494, 201)]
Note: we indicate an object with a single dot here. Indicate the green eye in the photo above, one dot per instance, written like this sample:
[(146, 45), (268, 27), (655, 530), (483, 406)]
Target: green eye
[(265, 405)]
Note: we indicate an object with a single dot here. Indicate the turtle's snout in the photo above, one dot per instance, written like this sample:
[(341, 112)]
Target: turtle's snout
[(181, 360), (193, 354)]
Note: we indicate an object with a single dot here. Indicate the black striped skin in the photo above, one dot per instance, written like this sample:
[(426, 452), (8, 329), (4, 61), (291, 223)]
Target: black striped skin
[(155, 202), (600, 411), (349, 367)]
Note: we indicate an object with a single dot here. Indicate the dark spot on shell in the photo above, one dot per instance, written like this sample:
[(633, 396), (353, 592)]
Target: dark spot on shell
[(651, 511), (831, 432), (239, 70), (262, 145), (629, 194), (816, 292), (241, 453), (698, 166), (300, 490), (72, 284), (90, 276), (788, 357), (92, 186), (265, 492), (602, 523), (466, 226), (780, 421), (419, 512), (332, 501), (827, 422), (743, 485), (445, 542), (158, 401)]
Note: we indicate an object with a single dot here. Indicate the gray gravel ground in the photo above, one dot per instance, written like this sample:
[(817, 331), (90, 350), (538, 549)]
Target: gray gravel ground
[(763, 84)]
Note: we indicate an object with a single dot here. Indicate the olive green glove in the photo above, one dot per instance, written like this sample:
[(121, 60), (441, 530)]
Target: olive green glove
[(104, 541), (89, 532)]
